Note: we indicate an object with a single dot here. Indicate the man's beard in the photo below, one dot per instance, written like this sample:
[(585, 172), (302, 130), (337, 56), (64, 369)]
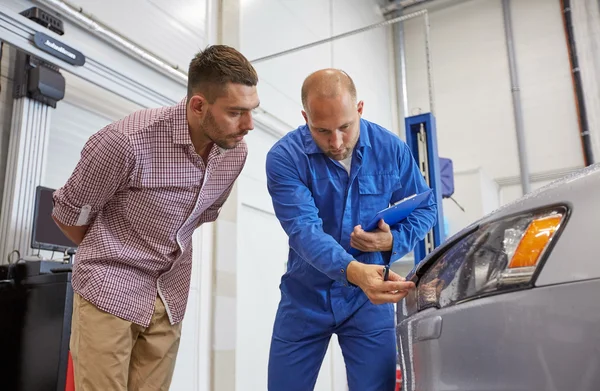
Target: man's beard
[(348, 150), (212, 129)]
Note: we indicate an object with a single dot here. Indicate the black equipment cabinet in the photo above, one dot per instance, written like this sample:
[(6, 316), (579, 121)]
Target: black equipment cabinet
[(36, 353)]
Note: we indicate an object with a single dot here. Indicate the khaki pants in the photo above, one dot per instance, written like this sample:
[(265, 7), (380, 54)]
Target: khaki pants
[(112, 354)]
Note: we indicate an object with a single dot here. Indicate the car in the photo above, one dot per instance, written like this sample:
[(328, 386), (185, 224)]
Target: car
[(512, 302)]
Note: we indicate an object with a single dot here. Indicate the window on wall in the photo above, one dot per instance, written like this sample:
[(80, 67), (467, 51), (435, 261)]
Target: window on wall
[(85, 110)]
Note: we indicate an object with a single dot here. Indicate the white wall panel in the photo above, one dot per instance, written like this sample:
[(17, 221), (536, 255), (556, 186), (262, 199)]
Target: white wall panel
[(259, 143), (225, 315), (477, 193), (271, 26), (472, 86), (365, 56), (259, 271), (186, 367)]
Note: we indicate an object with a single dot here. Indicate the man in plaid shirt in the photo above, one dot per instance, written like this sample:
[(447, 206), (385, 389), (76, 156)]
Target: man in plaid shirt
[(142, 186)]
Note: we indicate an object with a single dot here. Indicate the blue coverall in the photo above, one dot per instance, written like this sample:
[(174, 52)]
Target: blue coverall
[(318, 205)]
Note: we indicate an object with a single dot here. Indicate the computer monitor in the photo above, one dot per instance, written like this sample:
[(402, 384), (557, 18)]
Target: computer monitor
[(46, 235)]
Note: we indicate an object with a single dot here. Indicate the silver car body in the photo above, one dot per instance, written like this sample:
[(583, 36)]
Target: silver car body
[(543, 337)]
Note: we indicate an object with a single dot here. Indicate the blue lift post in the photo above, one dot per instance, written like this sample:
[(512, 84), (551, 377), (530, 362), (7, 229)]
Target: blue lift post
[(421, 138)]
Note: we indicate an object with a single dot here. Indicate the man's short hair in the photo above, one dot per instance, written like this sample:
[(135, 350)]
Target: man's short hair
[(216, 66)]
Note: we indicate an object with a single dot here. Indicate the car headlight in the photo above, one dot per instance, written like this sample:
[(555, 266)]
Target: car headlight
[(498, 256)]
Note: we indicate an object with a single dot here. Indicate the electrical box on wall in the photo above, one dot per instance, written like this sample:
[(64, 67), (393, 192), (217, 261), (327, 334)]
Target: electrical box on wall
[(46, 85), (38, 80), (45, 19)]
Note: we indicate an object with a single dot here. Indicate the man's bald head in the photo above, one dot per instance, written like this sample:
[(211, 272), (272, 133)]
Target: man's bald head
[(327, 83), (331, 112)]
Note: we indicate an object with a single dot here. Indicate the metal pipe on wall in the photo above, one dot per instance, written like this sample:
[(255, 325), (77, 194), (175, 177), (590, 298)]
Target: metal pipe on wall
[(392, 21), (401, 5), (340, 36), (77, 15), (516, 98), (402, 63), (584, 131), (400, 69), (429, 61)]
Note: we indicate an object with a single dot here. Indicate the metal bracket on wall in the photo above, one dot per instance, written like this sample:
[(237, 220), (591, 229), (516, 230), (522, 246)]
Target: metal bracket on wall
[(421, 138)]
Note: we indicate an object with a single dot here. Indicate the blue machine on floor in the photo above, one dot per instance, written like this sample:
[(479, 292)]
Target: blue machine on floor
[(421, 138)]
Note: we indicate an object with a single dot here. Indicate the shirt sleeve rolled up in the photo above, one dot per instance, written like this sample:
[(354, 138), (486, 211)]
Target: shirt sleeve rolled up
[(105, 165)]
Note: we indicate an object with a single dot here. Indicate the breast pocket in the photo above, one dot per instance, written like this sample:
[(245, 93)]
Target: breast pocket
[(375, 194)]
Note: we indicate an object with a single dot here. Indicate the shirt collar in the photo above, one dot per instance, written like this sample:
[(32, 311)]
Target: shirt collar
[(310, 147), (181, 133)]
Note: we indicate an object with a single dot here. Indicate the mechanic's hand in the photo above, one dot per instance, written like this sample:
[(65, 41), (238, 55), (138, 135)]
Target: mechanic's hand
[(379, 240), (370, 279)]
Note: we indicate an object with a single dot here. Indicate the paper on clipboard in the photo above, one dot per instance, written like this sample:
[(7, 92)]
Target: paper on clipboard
[(395, 213)]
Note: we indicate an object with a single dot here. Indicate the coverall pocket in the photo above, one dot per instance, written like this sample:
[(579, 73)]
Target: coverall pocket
[(376, 194), (290, 327), (372, 317)]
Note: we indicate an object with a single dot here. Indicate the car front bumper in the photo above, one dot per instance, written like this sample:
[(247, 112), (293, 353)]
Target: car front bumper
[(544, 338)]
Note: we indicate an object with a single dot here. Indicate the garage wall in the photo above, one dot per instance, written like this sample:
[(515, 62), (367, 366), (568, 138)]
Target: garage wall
[(473, 91), (482, 193)]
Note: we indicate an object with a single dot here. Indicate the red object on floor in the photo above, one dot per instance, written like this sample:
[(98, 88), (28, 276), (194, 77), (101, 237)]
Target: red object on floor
[(70, 383), (398, 379)]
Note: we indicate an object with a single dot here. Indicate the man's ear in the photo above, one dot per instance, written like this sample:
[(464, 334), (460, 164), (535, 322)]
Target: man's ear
[(360, 107), (198, 105), (305, 116)]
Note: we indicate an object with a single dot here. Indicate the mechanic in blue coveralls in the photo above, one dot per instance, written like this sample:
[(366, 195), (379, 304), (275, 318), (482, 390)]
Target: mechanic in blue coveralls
[(326, 178)]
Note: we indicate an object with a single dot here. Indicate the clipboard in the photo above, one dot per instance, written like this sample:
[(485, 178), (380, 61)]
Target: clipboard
[(395, 213)]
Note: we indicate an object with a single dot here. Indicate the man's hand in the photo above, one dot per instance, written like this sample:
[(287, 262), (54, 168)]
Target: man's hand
[(370, 279), (378, 240)]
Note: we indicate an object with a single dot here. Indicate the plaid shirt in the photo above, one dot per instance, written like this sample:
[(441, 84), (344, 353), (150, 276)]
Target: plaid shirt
[(143, 190)]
